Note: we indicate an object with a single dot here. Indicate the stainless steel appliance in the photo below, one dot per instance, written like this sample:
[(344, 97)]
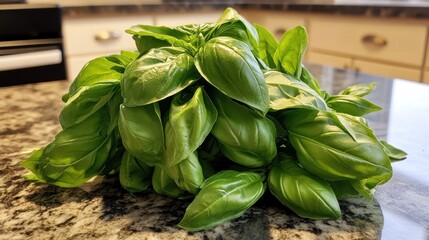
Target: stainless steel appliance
[(31, 44)]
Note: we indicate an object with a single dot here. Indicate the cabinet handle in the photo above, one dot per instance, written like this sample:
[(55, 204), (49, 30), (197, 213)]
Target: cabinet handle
[(279, 32), (374, 40), (107, 36)]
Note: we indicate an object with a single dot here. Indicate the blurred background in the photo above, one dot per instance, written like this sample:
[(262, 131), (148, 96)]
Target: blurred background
[(43, 40)]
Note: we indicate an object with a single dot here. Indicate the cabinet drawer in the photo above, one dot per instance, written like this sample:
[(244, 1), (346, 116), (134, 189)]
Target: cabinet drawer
[(324, 59), (387, 70), (87, 35), (374, 40)]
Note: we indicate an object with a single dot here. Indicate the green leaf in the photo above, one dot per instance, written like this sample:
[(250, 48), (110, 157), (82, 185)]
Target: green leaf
[(359, 90), (245, 137), (287, 92), (163, 184), (189, 123), (188, 174), (326, 149), (291, 50), (86, 101), (267, 46), (302, 192), (233, 29), (134, 175), (142, 132), (209, 150), (77, 154), (344, 189), (157, 75), (351, 104), (145, 43), (110, 68), (230, 15), (229, 65), (172, 36), (223, 197), (395, 154), (310, 80)]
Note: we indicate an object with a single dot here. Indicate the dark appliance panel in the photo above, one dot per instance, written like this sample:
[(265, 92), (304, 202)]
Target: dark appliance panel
[(31, 44)]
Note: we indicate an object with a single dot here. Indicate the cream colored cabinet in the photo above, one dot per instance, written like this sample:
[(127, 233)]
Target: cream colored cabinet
[(384, 47), (331, 60), (86, 38), (426, 67), (277, 22), (183, 18)]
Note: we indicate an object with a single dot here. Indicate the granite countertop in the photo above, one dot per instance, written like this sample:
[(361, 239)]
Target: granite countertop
[(101, 209)]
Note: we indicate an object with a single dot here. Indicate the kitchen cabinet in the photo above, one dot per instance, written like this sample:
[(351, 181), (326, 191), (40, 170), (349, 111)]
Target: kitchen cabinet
[(173, 19), (384, 47), (277, 22), (426, 67), (88, 37), (389, 47)]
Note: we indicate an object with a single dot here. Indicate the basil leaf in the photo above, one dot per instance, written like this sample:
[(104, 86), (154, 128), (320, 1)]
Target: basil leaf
[(395, 154), (359, 90), (145, 43), (310, 80), (116, 152), (172, 36), (188, 174), (245, 137), (196, 32), (287, 92), (235, 29), (209, 150), (229, 65), (157, 75), (344, 189), (134, 176), (291, 50), (351, 104), (327, 150), (108, 68), (142, 132), (77, 154), (305, 194), (86, 101), (189, 123), (163, 184), (230, 15), (267, 46), (224, 196)]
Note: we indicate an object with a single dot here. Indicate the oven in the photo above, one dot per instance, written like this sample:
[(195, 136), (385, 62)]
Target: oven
[(31, 44)]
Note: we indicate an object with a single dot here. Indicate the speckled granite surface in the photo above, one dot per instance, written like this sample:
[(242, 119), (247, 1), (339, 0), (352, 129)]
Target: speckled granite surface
[(103, 210)]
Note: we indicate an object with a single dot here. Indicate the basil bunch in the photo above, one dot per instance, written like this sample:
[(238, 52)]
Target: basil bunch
[(219, 113)]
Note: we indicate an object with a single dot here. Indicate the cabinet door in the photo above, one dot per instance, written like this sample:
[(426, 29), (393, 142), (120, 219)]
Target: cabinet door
[(277, 22), (99, 35), (377, 39), (178, 19), (391, 71), (330, 60)]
